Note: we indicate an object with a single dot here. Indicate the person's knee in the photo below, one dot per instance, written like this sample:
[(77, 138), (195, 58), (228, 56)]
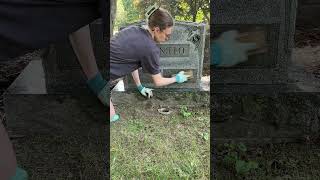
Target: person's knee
[(8, 169), (8, 162)]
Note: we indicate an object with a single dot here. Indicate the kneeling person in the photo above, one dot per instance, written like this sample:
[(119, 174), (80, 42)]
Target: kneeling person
[(136, 47)]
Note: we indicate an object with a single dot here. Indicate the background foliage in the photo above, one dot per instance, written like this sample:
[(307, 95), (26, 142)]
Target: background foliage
[(129, 11)]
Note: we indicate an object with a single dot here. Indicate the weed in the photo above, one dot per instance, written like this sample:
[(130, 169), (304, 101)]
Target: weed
[(204, 135), (184, 112), (235, 158)]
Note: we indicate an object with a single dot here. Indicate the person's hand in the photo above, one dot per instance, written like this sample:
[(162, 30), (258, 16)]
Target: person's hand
[(100, 88), (227, 51), (146, 92), (181, 77)]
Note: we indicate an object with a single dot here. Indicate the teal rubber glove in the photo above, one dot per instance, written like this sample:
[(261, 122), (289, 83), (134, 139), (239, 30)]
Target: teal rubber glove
[(100, 88), (20, 174), (146, 92), (215, 54), (181, 77), (226, 51), (115, 117)]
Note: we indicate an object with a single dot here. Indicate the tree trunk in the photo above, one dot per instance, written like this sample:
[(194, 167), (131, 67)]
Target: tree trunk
[(194, 10), (113, 10)]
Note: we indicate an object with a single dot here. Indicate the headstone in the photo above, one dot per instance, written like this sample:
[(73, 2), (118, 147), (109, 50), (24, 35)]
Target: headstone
[(62, 70), (271, 25), (183, 52)]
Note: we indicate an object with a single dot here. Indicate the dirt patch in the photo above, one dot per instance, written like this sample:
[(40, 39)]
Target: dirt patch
[(307, 37), (60, 157), (308, 58)]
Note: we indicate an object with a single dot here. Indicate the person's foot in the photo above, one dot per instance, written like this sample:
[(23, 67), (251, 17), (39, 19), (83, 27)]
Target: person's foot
[(115, 118), (20, 174)]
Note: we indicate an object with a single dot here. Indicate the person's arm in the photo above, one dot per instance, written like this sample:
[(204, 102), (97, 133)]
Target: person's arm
[(8, 162), (159, 80), (147, 92), (136, 78), (82, 46)]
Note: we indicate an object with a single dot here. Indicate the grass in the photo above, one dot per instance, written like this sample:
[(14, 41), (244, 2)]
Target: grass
[(299, 160), (272, 161), (161, 146)]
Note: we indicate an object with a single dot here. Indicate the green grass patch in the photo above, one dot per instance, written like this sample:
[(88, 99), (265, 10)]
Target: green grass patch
[(270, 161), (166, 147)]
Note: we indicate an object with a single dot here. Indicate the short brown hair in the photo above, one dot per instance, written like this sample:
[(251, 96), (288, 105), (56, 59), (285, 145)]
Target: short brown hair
[(160, 18)]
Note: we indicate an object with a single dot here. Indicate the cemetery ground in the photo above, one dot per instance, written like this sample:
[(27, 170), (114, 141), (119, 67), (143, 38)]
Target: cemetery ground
[(146, 143)]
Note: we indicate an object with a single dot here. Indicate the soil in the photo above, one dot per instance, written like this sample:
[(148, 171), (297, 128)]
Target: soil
[(307, 37)]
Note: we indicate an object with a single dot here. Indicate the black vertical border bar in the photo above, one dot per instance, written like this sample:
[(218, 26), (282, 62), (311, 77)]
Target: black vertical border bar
[(105, 13), (212, 144)]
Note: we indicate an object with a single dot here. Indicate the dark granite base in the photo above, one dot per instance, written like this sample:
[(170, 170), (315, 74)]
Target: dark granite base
[(260, 118)]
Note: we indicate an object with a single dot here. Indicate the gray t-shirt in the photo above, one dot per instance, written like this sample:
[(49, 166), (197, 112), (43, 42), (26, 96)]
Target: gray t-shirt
[(132, 48)]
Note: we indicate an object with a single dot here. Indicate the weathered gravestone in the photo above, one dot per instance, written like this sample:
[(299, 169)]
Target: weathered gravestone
[(183, 52), (271, 25), (257, 101), (51, 96)]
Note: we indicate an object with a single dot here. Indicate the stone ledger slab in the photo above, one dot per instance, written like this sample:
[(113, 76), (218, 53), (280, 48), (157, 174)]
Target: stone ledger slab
[(31, 110)]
